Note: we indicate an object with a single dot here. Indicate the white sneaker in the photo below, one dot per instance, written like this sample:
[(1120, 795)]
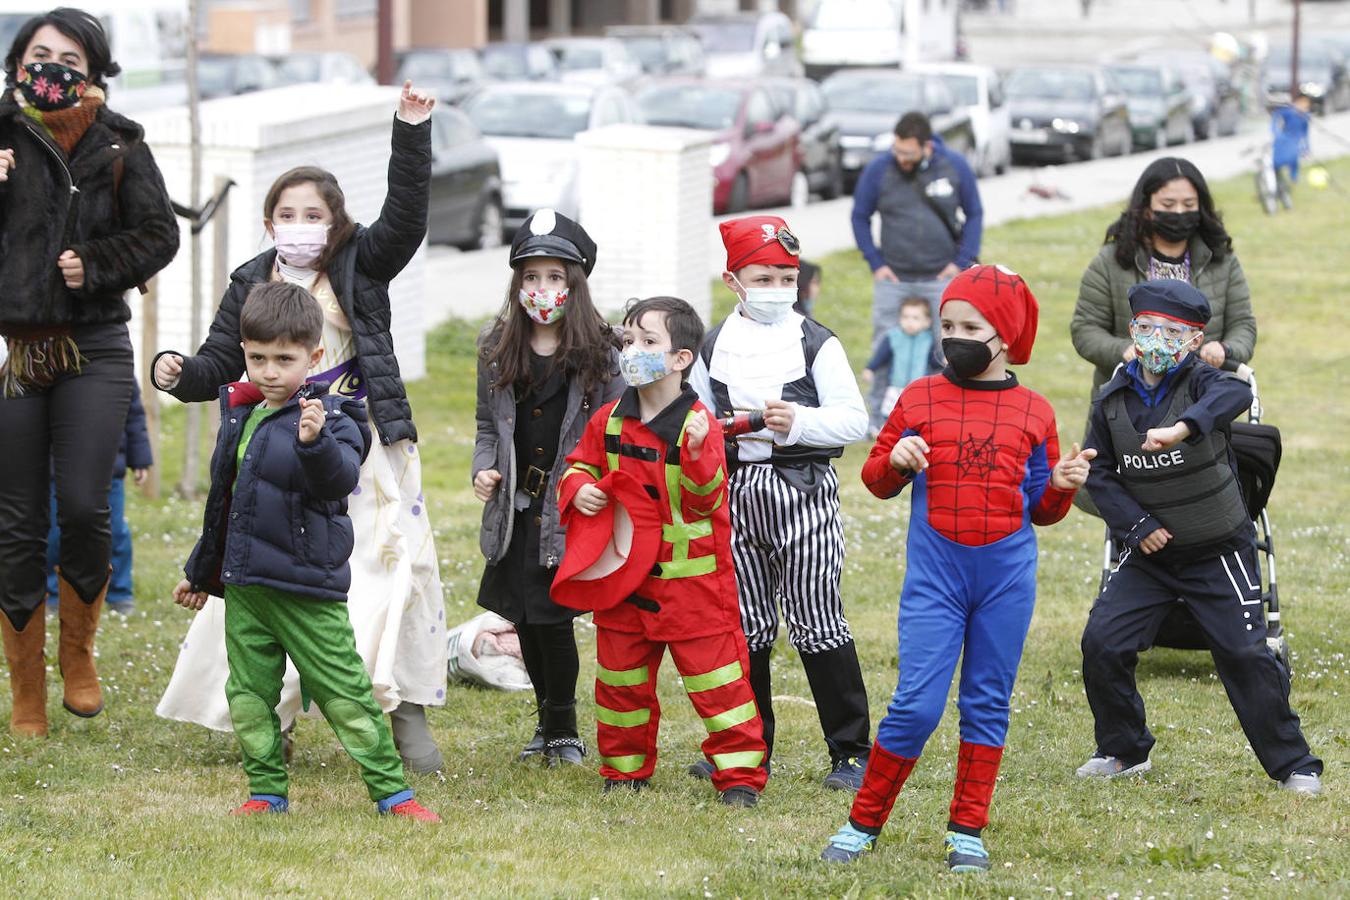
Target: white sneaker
[(1299, 783), (1111, 767)]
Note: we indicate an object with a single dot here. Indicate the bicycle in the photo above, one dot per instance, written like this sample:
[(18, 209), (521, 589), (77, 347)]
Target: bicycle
[(1272, 185)]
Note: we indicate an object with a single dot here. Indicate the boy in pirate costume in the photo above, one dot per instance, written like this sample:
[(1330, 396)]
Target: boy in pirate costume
[(787, 537), (659, 433)]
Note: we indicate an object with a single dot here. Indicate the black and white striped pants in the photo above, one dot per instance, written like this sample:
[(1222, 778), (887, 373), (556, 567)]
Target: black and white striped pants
[(788, 545)]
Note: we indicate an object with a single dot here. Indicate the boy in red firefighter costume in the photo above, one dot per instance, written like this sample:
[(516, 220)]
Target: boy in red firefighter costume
[(659, 432), (978, 448)]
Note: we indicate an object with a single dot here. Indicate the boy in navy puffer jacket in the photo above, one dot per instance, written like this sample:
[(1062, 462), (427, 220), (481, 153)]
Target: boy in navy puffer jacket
[(275, 544)]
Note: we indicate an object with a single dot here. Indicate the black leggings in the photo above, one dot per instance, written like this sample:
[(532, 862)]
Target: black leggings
[(550, 653), (70, 430)]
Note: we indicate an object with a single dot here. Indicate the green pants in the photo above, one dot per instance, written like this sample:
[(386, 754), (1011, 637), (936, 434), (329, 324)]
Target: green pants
[(262, 627)]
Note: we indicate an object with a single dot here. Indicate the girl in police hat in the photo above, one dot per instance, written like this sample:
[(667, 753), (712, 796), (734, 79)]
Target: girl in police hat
[(544, 365)]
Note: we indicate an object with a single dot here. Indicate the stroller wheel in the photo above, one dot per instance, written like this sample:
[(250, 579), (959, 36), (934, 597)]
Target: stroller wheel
[(1280, 647)]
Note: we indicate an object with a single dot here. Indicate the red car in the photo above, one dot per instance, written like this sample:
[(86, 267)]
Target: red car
[(756, 157)]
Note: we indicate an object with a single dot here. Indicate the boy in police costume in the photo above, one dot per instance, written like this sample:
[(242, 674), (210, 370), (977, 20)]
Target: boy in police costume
[(787, 537), (1164, 480)]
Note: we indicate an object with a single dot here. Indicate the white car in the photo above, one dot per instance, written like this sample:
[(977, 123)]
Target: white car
[(979, 91), (841, 33), (747, 45), (532, 126), (594, 60)]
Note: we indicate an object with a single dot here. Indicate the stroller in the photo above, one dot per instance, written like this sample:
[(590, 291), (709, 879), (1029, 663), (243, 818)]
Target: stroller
[(1257, 449)]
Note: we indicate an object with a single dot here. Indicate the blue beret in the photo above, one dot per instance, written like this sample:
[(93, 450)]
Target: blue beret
[(1172, 299)]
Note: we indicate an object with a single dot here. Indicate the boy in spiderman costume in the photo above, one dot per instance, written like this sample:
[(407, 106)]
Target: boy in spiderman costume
[(659, 432), (982, 454)]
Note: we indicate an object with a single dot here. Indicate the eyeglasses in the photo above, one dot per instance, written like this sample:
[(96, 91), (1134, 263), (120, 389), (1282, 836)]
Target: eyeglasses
[(1170, 330)]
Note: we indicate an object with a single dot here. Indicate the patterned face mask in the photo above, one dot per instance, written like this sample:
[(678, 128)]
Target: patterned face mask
[(642, 367), (543, 305), (50, 86), (1159, 354)]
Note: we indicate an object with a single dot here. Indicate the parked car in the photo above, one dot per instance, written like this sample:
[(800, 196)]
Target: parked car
[(755, 157), (508, 61), (662, 49), (531, 126), (743, 45), (822, 153), (868, 102), (1322, 75), (583, 60), (1160, 105), (228, 74), (1216, 105), (323, 67), (451, 75), (466, 185), (1063, 113), (845, 33), (978, 91)]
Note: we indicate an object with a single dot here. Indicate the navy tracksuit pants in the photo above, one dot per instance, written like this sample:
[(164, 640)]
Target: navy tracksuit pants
[(1224, 595)]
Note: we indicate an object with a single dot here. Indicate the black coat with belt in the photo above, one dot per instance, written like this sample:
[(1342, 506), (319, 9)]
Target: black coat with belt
[(359, 275), (52, 202)]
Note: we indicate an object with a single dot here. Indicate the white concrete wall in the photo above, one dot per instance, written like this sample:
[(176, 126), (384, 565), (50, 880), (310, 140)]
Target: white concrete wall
[(646, 200), (253, 139)]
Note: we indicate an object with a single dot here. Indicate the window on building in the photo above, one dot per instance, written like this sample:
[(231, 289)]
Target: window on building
[(354, 8), (300, 11)]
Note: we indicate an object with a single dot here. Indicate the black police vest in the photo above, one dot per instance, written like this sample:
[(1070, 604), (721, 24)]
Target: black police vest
[(801, 467), (1189, 487)]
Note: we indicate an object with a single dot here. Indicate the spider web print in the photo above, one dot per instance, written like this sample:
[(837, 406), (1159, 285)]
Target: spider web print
[(1001, 276)]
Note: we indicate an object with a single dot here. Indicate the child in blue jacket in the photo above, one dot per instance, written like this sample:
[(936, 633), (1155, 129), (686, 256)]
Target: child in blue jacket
[(275, 544)]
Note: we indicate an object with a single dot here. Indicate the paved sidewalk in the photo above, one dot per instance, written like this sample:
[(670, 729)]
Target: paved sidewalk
[(472, 285)]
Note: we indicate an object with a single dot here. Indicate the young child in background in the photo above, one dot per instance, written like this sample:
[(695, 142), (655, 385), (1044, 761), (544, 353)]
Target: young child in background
[(546, 363), (1164, 480), (659, 432), (787, 535), (978, 448), (903, 351), (1289, 134), (808, 289), (275, 545), (135, 454)]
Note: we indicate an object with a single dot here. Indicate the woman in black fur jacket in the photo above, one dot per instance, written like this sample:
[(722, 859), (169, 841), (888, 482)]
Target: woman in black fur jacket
[(84, 217)]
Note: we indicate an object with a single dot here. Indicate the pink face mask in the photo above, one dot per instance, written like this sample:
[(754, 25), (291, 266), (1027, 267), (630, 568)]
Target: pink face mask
[(300, 244)]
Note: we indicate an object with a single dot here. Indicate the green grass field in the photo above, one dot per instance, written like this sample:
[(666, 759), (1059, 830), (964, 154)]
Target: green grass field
[(127, 804)]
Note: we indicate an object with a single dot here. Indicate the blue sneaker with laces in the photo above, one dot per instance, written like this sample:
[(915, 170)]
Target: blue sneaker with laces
[(847, 844), (966, 853)]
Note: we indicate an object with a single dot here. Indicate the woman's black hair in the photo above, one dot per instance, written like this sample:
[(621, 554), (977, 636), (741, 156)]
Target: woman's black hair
[(81, 27), (1134, 228)]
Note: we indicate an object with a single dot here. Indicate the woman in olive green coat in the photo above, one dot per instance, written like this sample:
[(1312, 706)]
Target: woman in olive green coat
[(1169, 230)]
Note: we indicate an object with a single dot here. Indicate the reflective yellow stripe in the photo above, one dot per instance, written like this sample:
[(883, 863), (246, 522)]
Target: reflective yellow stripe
[(686, 532), (702, 490), (593, 471), (613, 426), (746, 759), (628, 764), (619, 719), (688, 568), (731, 718), (622, 677), (717, 678)]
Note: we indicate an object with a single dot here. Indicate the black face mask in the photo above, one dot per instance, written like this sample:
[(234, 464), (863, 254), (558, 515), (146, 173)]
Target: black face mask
[(1175, 226), (967, 358)]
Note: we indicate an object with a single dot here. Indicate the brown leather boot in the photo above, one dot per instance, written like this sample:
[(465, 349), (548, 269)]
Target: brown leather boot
[(79, 622), (27, 674)]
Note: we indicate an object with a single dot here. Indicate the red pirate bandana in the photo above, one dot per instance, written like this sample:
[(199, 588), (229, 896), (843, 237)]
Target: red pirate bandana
[(759, 240)]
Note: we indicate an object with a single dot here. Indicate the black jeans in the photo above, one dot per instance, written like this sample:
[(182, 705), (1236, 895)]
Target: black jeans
[(70, 431), (1224, 595), (550, 654)]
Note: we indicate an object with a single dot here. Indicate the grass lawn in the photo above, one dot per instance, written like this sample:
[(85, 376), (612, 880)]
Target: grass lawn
[(128, 804)]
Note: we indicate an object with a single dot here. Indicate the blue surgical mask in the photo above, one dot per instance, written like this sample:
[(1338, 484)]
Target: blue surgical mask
[(1158, 354), (643, 367)]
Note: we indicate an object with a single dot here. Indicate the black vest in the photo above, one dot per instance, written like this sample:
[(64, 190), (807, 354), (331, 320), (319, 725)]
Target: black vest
[(801, 467), (1189, 487)]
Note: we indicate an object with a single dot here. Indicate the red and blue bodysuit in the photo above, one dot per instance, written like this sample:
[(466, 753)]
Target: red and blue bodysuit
[(970, 580)]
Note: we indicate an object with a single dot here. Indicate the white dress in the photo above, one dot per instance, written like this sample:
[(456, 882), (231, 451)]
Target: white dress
[(395, 602)]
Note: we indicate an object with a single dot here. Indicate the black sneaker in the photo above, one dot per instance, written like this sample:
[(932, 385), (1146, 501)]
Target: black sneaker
[(636, 785), (534, 747), (740, 795), (846, 774), (702, 769), (564, 750)]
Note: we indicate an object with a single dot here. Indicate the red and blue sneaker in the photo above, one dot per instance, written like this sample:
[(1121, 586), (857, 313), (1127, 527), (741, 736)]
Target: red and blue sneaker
[(402, 804), (262, 803)]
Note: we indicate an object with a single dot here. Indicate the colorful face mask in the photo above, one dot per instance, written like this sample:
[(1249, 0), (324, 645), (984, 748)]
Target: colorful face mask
[(300, 244), (1158, 354), (50, 86), (642, 367), (543, 305)]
